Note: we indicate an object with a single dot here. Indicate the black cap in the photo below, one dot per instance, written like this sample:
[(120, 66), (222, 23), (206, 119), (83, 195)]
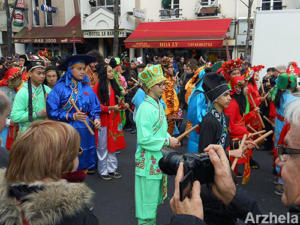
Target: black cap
[(33, 64), (214, 85)]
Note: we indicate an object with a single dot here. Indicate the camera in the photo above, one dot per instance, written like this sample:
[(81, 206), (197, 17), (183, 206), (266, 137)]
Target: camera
[(197, 166), (298, 82)]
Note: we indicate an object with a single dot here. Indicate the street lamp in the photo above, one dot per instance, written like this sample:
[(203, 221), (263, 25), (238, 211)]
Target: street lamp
[(74, 45)]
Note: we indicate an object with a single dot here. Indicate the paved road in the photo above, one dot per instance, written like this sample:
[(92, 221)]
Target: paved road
[(114, 200)]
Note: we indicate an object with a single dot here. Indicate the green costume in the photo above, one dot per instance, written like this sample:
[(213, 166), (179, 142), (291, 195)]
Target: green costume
[(19, 113), (152, 136)]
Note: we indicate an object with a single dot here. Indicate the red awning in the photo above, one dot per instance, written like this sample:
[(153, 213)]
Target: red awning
[(179, 34), (52, 34)]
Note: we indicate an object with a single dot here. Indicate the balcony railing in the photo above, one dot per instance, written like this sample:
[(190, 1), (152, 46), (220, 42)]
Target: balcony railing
[(269, 8), (208, 11), (170, 13)]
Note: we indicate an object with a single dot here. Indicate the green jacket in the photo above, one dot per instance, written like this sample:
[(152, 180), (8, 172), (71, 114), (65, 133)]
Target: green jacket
[(19, 112), (152, 136)]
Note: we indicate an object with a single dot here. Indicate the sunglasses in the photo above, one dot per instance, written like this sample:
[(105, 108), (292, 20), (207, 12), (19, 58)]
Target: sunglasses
[(283, 152), (80, 151)]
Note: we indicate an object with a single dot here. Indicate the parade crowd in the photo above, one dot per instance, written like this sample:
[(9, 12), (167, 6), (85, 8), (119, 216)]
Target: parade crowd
[(62, 119)]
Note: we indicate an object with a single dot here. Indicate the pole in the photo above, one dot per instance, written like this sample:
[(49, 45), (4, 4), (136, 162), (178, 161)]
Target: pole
[(74, 44), (116, 28), (9, 17), (250, 3)]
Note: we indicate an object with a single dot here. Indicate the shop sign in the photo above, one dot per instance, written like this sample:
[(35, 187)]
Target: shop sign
[(103, 34), (49, 40), (176, 44)]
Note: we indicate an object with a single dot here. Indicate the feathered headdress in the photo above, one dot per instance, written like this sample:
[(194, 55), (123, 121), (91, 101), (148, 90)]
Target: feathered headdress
[(229, 66)]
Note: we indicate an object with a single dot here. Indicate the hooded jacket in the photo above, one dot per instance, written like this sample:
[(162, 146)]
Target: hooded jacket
[(45, 203)]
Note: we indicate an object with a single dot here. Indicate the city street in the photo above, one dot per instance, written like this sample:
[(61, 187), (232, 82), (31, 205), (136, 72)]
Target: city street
[(114, 200)]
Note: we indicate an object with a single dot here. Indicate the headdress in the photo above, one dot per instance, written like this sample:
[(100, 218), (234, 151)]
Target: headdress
[(293, 69), (214, 85), (10, 74), (151, 76), (254, 72), (229, 66)]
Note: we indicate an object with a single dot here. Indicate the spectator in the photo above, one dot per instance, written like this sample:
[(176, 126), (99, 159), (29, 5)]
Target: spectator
[(190, 211), (4, 112), (31, 187), (52, 76)]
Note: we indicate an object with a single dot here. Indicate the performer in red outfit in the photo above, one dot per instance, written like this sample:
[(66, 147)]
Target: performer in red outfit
[(111, 136), (240, 115), (253, 77)]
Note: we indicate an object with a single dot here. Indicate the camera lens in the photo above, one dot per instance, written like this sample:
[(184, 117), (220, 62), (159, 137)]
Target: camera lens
[(170, 161)]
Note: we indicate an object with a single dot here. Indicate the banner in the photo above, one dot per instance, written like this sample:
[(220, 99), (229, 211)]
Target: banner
[(18, 18)]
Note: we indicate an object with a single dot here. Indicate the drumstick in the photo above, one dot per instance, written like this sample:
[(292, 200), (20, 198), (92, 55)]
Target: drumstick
[(269, 121), (259, 116), (257, 133), (86, 124), (180, 137), (261, 139), (130, 89), (122, 101), (252, 129), (240, 148), (263, 92)]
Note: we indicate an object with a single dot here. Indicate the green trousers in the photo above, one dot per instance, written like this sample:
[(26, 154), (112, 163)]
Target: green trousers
[(148, 195)]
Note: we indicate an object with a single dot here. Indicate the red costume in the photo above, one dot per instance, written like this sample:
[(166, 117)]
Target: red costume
[(112, 120)]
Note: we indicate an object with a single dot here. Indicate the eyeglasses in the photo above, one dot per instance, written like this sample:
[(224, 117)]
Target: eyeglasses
[(80, 151), (283, 153), (162, 84)]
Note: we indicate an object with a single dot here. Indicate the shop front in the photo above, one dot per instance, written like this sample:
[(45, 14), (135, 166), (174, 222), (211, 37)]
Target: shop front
[(189, 38), (58, 40)]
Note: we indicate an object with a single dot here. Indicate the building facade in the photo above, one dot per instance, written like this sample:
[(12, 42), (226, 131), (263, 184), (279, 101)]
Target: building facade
[(52, 24), (97, 23), (180, 10)]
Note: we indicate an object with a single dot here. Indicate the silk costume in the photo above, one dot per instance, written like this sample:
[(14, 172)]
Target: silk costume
[(60, 108)]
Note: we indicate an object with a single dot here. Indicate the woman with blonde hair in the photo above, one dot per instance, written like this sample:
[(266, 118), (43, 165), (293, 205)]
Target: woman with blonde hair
[(31, 188)]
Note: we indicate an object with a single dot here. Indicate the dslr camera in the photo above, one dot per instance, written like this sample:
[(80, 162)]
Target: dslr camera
[(197, 166)]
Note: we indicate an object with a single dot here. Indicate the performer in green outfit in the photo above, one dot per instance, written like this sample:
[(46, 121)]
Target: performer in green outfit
[(152, 136), (30, 101)]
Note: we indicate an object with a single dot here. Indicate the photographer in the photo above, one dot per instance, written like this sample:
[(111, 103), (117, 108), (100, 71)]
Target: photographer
[(238, 202)]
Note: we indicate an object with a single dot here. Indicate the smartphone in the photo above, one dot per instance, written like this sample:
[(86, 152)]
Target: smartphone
[(298, 82), (186, 185)]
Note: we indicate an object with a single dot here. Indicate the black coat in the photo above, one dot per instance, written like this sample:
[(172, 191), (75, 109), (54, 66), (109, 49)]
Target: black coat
[(51, 203), (3, 157), (240, 206)]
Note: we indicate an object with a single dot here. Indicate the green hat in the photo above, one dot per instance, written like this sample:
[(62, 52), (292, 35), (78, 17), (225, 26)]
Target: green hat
[(284, 80), (151, 75)]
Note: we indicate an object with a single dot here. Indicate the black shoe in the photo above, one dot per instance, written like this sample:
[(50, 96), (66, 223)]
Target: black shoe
[(105, 177), (91, 171), (115, 175)]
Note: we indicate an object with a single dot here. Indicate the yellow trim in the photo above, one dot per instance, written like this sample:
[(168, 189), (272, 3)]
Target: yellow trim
[(77, 64)]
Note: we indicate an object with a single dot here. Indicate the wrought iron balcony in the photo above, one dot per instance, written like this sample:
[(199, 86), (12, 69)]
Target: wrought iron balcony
[(170, 13)]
